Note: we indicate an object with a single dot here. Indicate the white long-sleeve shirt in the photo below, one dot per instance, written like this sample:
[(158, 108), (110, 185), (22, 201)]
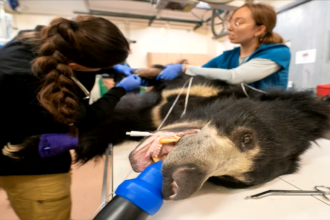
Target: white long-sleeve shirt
[(252, 71)]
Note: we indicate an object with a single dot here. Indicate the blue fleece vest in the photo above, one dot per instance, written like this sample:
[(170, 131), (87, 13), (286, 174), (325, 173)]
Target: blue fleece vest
[(278, 53)]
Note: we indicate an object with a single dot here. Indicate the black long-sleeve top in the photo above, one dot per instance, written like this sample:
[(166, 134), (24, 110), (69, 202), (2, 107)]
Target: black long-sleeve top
[(21, 115)]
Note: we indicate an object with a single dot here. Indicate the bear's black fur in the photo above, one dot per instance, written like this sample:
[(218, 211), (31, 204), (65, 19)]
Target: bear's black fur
[(281, 124), (134, 112)]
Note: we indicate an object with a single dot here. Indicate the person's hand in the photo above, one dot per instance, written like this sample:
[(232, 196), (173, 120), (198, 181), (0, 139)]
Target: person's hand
[(54, 144), (123, 69), (109, 83), (170, 72), (130, 83)]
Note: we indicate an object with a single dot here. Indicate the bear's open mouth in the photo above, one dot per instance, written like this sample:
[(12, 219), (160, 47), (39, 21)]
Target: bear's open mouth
[(164, 143), (151, 150), (154, 148)]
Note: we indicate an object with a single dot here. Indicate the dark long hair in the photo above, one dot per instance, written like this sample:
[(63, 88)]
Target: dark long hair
[(92, 42)]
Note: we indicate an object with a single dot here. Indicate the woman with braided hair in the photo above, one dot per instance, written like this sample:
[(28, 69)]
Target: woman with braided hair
[(45, 78)]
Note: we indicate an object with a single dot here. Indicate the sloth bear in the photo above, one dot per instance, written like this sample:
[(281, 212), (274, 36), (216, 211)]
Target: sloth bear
[(236, 143), (231, 135), (139, 113)]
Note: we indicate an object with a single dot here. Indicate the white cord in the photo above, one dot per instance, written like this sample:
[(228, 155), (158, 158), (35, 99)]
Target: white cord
[(258, 90), (175, 101), (81, 86), (243, 87), (242, 84), (142, 133), (187, 98)]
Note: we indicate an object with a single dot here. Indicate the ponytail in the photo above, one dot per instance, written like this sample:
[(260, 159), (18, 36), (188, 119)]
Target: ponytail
[(272, 38), (57, 94)]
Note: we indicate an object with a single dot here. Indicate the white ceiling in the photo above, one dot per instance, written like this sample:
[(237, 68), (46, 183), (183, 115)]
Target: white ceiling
[(67, 8)]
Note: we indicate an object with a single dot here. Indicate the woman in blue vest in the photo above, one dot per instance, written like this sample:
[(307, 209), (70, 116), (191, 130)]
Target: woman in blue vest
[(262, 60)]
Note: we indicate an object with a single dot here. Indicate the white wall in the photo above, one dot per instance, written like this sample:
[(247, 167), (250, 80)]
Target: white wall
[(149, 39), (224, 44), (162, 40), (25, 22)]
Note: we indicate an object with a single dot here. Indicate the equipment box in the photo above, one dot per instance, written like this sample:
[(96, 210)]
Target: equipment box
[(322, 90)]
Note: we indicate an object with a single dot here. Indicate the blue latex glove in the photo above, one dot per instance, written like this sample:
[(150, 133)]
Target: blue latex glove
[(170, 72), (123, 69), (54, 144), (130, 83)]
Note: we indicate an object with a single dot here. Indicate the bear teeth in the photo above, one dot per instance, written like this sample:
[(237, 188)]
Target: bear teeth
[(158, 151)]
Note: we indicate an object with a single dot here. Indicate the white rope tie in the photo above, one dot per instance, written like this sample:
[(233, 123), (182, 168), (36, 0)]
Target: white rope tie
[(187, 98), (176, 100), (247, 95)]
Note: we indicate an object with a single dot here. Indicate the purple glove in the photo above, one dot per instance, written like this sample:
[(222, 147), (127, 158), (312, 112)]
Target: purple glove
[(123, 69), (130, 83), (170, 72), (54, 144)]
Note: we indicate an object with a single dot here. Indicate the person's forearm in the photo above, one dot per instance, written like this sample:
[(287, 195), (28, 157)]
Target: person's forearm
[(252, 71), (102, 108)]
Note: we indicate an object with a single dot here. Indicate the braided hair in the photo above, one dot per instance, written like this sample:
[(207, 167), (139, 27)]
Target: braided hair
[(89, 41)]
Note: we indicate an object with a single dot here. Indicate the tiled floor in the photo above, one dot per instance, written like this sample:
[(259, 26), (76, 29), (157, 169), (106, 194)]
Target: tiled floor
[(85, 188), (211, 202), (86, 185)]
